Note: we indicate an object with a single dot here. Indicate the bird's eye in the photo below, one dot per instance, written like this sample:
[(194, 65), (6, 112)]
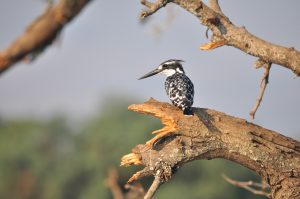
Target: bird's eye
[(164, 65)]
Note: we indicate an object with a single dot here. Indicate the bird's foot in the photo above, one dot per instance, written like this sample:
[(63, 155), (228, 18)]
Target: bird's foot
[(188, 112)]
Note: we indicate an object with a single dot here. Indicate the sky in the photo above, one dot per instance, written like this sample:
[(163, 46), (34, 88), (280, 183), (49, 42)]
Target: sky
[(106, 48)]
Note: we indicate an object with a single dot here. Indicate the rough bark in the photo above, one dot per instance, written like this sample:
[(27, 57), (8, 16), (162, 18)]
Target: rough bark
[(42, 32), (211, 134), (240, 38)]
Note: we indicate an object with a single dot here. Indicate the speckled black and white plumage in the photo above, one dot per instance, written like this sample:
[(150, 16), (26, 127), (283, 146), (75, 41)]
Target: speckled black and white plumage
[(179, 87), (180, 90)]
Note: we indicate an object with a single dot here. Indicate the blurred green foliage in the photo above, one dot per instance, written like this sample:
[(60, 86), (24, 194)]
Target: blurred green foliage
[(55, 160)]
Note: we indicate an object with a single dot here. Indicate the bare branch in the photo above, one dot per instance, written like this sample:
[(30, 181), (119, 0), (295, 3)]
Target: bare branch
[(112, 182), (152, 7), (41, 32), (224, 30), (247, 185), (153, 188), (135, 191), (211, 134), (263, 84), (214, 4), (140, 174)]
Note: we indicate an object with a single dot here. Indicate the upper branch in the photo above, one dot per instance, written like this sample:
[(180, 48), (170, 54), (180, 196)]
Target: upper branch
[(214, 4), (152, 7), (226, 33), (212, 134), (41, 32)]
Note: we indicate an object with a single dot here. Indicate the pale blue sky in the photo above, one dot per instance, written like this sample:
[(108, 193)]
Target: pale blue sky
[(105, 50)]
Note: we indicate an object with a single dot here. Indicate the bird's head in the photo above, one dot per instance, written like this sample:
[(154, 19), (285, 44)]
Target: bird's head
[(168, 68)]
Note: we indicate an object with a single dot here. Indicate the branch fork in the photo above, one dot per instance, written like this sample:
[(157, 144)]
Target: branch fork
[(253, 187), (152, 7)]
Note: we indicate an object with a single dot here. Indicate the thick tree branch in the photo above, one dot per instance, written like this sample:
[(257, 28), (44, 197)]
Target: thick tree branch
[(212, 134), (226, 33), (42, 32)]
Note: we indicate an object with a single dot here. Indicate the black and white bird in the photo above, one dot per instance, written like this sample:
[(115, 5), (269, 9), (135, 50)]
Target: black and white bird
[(179, 87)]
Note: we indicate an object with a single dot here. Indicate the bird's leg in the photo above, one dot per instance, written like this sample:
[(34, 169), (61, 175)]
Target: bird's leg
[(188, 111)]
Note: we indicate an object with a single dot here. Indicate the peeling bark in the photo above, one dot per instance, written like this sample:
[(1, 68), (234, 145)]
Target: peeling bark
[(211, 134)]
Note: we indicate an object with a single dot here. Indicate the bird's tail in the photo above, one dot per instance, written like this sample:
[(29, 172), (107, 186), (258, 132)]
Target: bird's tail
[(188, 111)]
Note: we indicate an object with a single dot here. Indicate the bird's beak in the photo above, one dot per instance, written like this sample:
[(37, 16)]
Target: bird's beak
[(154, 72)]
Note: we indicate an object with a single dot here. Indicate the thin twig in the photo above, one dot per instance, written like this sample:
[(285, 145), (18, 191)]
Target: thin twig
[(247, 185), (152, 7), (153, 188), (112, 182), (137, 188), (140, 174), (263, 84)]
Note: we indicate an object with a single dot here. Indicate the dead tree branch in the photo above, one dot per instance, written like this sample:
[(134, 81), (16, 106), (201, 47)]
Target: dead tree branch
[(112, 183), (224, 32), (152, 7), (41, 32), (214, 4), (153, 188), (135, 191), (211, 134), (263, 85), (248, 186)]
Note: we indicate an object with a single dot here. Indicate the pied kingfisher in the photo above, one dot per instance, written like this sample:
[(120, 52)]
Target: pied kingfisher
[(179, 87)]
